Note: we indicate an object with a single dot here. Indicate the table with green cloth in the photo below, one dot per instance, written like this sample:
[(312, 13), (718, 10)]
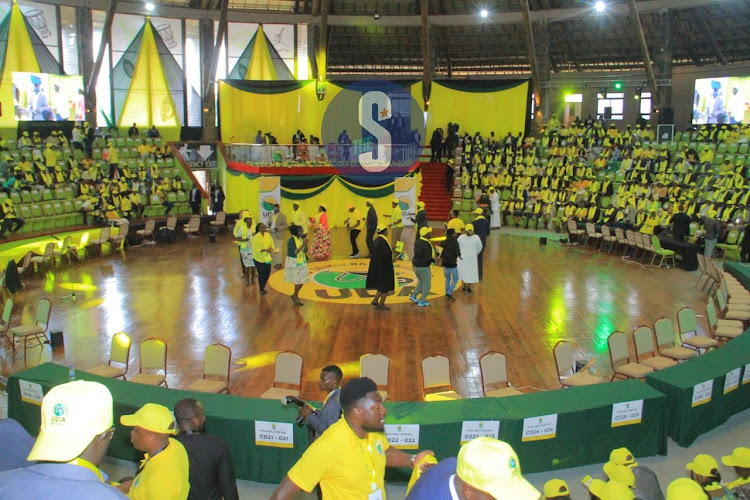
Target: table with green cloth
[(686, 422), (584, 432), (739, 270)]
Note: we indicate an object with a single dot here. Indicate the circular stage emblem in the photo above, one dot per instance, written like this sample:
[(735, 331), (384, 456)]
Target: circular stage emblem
[(343, 282), (373, 128)]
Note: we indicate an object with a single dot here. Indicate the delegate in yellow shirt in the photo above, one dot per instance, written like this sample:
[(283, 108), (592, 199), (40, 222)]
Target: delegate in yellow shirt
[(164, 476), (345, 466), (457, 225), (262, 241), (397, 215)]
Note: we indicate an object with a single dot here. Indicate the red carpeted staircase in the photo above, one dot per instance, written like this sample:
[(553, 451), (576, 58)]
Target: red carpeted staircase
[(436, 198)]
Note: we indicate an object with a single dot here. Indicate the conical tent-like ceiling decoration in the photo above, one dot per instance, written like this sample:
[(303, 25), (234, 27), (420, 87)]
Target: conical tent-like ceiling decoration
[(260, 61)]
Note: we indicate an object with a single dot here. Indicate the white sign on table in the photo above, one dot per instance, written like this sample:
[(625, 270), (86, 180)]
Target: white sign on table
[(539, 428), (746, 374), (732, 380), (31, 392), (627, 413), (275, 434), (403, 436), (702, 393), (471, 429)]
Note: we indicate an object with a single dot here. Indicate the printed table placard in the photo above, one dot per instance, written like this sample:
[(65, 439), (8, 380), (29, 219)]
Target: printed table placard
[(276, 434), (702, 393), (627, 413), (539, 428), (403, 436), (732, 380), (31, 392), (471, 429)]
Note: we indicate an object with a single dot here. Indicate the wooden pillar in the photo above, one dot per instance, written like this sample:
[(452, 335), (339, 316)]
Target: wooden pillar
[(662, 96), (636, 20), (424, 7), (535, 76), (210, 49), (84, 23)]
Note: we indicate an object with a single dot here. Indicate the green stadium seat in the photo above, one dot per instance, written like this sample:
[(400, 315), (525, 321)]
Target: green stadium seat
[(47, 194), (15, 197), (744, 148), (59, 194), (36, 211), (732, 148), (68, 207), (78, 155), (129, 142), (26, 197), (677, 136), (48, 210), (120, 142), (12, 144), (169, 162), (124, 153)]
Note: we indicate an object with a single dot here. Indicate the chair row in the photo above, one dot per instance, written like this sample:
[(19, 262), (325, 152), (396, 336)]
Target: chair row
[(634, 240)]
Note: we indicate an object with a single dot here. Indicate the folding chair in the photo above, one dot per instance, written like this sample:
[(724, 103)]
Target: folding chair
[(620, 358), (36, 332), (565, 365), (436, 374), (5, 323), (153, 357), (216, 364), (375, 366), (688, 330), (119, 353), (495, 376), (645, 350), (287, 372)]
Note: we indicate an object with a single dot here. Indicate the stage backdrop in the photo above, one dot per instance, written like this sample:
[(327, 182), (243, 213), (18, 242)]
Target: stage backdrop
[(477, 106), (283, 107), (243, 189)]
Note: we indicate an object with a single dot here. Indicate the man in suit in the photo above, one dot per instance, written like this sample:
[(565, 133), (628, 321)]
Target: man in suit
[(317, 421), (195, 200), (279, 226)]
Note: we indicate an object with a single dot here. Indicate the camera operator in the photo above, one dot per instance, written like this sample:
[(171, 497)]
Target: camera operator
[(317, 422)]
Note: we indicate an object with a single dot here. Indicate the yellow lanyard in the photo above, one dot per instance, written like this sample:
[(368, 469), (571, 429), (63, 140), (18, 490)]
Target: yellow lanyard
[(88, 465)]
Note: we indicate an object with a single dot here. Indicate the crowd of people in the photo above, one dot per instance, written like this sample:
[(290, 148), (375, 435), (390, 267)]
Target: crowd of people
[(605, 176), (105, 184)]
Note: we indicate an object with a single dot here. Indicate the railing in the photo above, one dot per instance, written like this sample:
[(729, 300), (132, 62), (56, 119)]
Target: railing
[(338, 155)]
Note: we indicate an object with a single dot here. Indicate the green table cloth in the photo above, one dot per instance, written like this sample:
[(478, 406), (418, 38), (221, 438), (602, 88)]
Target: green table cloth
[(686, 420), (584, 431)]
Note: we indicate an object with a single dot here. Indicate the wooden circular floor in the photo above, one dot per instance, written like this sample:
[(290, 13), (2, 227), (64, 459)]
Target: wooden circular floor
[(190, 294)]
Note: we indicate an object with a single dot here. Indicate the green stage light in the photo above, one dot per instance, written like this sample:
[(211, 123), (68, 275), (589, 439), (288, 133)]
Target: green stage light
[(618, 85)]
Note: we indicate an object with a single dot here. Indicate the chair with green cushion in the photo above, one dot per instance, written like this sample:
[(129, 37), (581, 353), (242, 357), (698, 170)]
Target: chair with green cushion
[(47, 195), (59, 194), (722, 148), (15, 197), (26, 197), (677, 136), (688, 330), (36, 195), (96, 154), (732, 148), (78, 155), (744, 148), (732, 239), (169, 162), (129, 142), (658, 250)]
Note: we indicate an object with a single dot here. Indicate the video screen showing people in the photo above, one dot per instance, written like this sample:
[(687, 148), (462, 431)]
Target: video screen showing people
[(47, 97), (721, 100)]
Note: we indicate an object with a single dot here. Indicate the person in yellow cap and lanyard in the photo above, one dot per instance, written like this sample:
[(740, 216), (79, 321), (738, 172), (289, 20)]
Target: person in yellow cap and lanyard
[(263, 247), (75, 432), (420, 219), (165, 470), (397, 223), (424, 256), (740, 460)]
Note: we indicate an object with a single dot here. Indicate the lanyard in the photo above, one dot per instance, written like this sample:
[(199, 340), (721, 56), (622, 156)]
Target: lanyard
[(88, 465)]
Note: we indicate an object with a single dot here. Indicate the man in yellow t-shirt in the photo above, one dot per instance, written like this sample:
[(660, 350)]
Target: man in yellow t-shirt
[(455, 223), (397, 223), (263, 248), (349, 459), (354, 225), (164, 472)]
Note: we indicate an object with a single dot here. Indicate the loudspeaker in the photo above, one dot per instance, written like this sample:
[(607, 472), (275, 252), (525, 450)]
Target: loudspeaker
[(56, 339), (608, 113), (666, 115)]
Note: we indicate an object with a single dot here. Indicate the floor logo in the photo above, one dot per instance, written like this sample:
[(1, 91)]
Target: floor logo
[(343, 282), (371, 127)]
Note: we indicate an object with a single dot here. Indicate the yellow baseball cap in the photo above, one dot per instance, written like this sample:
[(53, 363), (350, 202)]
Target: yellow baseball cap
[(349, 206), (469, 227), (394, 201), (72, 415), (740, 457), (703, 465), (611, 490), (620, 473), (492, 466), (479, 211), (420, 204), (368, 200), (622, 456), (556, 488), (382, 227), (424, 231), (152, 417), (685, 489)]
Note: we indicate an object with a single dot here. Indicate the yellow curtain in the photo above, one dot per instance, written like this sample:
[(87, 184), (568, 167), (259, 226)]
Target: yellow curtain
[(19, 56), (149, 100), (501, 111), (244, 113)]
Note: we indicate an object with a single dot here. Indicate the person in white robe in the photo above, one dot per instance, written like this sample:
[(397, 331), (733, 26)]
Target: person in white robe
[(495, 207), (468, 267)]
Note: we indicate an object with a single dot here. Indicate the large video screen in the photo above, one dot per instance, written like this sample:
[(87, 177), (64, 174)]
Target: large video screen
[(47, 97), (721, 100)]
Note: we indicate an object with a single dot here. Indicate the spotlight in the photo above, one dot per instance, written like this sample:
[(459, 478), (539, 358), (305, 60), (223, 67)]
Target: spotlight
[(484, 13), (149, 6), (638, 91), (600, 6)]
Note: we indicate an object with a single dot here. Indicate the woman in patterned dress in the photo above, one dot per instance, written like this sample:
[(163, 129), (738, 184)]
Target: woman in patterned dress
[(321, 246)]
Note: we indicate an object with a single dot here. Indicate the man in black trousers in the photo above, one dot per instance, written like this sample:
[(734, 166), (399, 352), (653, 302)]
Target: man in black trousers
[(371, 224), (481, 229)]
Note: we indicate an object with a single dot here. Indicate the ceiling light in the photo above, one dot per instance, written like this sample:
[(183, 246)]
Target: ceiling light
[(484, 13), (600, 6), (149, 6)]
